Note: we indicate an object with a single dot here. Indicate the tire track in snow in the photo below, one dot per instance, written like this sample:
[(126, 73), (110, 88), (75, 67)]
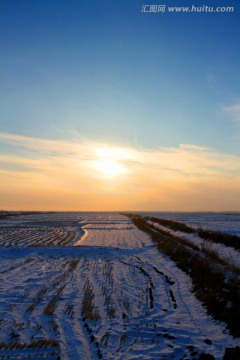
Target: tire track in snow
[(74, 340), (130, 290), (192, 307)]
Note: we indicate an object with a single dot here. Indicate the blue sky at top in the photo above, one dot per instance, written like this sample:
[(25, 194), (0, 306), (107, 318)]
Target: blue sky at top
[(103, 70)]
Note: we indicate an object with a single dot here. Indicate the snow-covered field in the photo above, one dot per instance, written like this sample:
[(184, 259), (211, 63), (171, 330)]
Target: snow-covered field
[(102, 291), (228, 223), (226, 253)]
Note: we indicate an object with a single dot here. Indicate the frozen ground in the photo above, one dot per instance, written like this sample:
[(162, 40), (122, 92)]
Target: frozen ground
[(228, 223), (104, 292), (226, 253)]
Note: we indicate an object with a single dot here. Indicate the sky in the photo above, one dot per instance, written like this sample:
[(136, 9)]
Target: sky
[(107, 107)]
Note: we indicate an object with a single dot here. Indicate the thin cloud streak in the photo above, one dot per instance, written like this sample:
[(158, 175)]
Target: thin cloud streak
[(233, 111)]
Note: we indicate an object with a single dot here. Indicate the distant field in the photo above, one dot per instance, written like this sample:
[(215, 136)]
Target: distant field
[(227, 222), (102, 286)]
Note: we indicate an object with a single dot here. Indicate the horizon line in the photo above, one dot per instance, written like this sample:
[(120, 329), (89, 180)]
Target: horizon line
[(122, 211)]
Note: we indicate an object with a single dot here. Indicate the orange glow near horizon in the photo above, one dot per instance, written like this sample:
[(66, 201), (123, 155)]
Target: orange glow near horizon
[(74, 176)]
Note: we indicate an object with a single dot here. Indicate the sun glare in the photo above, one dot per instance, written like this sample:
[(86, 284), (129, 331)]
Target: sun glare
[(109, 161), (109, 168)]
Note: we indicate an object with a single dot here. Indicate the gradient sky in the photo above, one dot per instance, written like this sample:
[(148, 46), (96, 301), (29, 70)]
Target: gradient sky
[(104, 107)]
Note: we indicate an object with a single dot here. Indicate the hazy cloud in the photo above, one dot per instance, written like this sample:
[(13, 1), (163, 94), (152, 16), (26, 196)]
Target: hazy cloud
[(70, 169), (233, 111)]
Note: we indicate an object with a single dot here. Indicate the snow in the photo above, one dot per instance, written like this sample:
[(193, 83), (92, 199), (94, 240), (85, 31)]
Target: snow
[(122, 235), (228, 222), (143, 304), (227, 253)]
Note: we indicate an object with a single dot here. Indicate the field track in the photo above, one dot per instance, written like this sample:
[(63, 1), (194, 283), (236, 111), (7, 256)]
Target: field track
[(93, 286)]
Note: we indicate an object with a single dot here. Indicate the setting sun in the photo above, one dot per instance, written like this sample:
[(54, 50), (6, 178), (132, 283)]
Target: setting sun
[(109, 160), (109, 168)]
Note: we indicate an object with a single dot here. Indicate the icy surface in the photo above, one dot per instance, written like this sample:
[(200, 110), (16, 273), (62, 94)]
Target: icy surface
[(106, 294)]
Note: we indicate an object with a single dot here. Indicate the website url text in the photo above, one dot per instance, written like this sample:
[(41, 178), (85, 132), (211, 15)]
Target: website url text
[(189, 9)]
